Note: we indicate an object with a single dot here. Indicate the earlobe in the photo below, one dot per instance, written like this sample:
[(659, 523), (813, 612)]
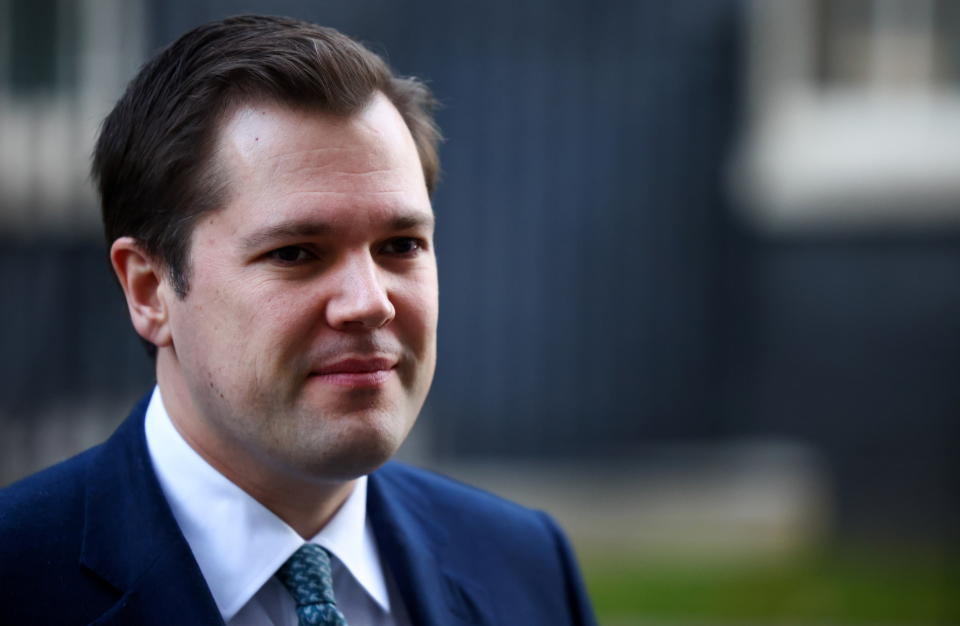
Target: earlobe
[(142, 280)]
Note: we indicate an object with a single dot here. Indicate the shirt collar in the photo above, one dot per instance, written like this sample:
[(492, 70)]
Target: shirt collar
[(237, 542)]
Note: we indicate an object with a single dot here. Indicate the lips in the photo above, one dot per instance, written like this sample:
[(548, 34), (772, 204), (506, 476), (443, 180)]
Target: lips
[(356, 372)]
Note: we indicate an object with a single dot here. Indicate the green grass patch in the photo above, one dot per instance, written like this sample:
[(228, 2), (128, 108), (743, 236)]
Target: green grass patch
[(833, 587)]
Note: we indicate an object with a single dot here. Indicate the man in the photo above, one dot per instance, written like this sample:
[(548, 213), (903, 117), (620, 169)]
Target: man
[(265, 191)]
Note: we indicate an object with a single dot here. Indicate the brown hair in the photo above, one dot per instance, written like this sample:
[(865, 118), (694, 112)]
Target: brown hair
[(153, 162)]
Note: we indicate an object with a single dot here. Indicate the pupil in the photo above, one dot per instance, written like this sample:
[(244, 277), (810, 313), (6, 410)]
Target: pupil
[(288, 254)]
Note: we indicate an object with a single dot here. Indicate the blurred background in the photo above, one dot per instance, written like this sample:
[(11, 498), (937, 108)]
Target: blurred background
[(700, 280)]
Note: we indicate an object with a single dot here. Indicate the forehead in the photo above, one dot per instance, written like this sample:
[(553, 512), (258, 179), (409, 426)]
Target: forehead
[(272, 155)]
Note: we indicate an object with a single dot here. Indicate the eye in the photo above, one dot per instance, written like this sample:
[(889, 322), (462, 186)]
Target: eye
[(289, 255), (402, 246)]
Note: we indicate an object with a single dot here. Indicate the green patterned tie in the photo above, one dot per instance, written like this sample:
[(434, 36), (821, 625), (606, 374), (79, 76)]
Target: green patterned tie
[(306, 575)]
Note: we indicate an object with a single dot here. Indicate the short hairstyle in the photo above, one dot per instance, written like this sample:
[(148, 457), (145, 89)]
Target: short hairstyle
[(154, 160)]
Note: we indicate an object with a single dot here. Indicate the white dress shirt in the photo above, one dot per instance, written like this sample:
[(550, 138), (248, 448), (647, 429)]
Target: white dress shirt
[(239, 544)]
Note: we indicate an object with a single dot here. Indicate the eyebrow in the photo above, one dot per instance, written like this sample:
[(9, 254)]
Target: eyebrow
[(296, 229)]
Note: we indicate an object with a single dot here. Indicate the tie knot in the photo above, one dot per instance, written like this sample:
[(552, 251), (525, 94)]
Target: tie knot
[(307, 577)]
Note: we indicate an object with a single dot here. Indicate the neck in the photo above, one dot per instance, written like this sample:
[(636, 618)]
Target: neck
[(306, 508), (304, 503)]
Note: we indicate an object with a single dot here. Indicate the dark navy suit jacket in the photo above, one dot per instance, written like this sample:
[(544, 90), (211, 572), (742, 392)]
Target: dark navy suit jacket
[(93, 541)]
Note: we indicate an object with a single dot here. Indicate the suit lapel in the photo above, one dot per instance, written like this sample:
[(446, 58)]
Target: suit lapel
[(132, 541), (412, 545)]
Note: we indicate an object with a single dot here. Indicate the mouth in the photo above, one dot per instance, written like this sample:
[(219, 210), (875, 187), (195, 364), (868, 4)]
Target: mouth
[(356, 373)]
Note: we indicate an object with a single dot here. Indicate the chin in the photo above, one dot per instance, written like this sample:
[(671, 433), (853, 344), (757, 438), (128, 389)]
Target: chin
[(357, 450)]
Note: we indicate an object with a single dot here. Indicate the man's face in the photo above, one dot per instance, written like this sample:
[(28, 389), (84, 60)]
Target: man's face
[(307, 340)]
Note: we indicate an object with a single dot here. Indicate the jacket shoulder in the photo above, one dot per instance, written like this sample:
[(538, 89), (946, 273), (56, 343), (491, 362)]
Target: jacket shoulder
[(445, 495), (44, 500), (534, 565), (41, 539), (475, 518)]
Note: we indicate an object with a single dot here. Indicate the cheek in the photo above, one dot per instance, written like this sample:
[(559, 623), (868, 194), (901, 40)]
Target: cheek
[(429, 302), (217, 319), (417, 314), (421, 295), (279, 323)]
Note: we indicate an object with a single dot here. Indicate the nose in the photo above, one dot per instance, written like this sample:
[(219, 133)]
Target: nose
[(360, 300)]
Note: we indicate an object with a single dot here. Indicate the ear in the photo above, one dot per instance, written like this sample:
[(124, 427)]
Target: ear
[(142, 280)]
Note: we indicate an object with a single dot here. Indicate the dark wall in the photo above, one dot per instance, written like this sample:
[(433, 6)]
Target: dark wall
[(64, 330), (853, 344)]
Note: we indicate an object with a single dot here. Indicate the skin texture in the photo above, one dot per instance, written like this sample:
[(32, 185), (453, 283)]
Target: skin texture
[(305, 347)]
